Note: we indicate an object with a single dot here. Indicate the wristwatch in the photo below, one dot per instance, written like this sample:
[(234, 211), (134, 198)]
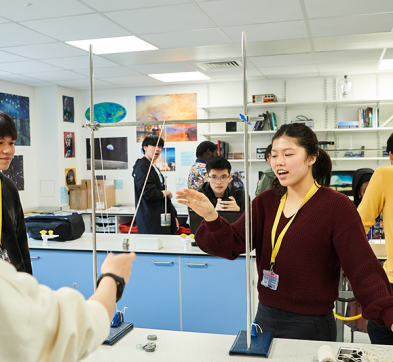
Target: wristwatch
[(120, 284)]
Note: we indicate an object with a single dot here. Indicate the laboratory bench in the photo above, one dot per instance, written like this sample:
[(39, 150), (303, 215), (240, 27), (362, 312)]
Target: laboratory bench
[(174, 346), (169, 288)]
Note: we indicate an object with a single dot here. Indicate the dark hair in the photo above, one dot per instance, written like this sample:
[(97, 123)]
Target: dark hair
[(389, 144), (7, 126), (218, 163), (306, 138), (204, 147), (268, 152), (151, 140)]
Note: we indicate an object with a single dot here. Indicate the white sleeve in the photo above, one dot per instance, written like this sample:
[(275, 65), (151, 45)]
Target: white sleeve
[(39, 324)]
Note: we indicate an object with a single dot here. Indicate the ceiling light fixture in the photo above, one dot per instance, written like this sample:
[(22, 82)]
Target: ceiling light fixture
[(121, 44), (386, 64), (179, 77), (345, 88)]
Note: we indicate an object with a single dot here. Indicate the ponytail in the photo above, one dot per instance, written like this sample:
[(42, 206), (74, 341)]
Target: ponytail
[(322, 168)]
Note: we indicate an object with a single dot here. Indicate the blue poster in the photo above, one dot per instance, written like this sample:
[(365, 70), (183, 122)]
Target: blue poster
[(186, 158)]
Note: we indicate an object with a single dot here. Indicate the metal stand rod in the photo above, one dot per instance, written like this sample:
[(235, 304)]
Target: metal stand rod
[(246, 191), (92, 163)]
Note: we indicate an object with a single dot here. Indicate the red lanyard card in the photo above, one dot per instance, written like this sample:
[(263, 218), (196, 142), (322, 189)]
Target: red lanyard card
[(270, 279)]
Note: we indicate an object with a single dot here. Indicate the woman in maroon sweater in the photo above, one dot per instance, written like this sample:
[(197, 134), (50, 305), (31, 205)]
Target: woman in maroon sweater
[(299, 277)]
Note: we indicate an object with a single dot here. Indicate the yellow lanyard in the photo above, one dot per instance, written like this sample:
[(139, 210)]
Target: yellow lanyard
[(276, 248)]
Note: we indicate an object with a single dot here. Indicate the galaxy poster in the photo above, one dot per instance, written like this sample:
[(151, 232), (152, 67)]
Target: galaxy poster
[(15, 172), (68, 109), (167, 107), (18, 108), (69, 144), (109, 153)]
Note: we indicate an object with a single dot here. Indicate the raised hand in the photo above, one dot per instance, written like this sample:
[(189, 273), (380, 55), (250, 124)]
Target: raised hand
[(197, 202)]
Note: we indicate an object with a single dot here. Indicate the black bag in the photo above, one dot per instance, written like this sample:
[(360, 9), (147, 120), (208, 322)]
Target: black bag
[(68, 227)]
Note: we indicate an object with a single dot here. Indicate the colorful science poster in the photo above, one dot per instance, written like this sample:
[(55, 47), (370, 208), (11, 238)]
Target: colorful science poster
[(68, 109), (167, 107), (69, 144), (107, 112), (109, 153), (70, 176), (15, 172), (18, 108), (167, 160)]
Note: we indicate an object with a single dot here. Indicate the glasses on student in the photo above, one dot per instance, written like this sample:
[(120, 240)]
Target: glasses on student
[(222, 178)]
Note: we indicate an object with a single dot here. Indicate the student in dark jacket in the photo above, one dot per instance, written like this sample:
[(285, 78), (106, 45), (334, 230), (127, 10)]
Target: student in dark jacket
[(14, 246), (222, 195), (148, 218), (361, 179)]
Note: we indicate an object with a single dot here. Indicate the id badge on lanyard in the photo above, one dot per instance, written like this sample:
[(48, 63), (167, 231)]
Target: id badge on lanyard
[(270, 279)]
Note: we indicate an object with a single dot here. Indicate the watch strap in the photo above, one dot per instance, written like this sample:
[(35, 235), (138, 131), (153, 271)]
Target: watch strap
[(120, 283)]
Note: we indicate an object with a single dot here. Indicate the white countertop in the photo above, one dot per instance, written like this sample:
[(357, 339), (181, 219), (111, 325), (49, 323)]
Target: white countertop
[(172, 244), (188, 347)]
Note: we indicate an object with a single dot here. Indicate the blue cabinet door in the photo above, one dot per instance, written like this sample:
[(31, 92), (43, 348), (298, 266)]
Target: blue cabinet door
[(213, 295), (153, 292), (58, 269)]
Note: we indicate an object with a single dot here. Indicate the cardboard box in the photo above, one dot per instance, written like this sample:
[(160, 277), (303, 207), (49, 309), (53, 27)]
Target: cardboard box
[(78, 199), (102, 186)]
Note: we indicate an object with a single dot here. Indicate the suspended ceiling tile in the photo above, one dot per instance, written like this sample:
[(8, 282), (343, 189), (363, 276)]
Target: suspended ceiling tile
[(6, 57), (162, 68), (78, 83), (80, 27), (349, 67), (388, 54), (296, 69), (16, 78), (72, 63), (267, 32), (348, 56), (2, 20), (323, 8), (234, 12), (350, 25), (57, 76), (132, 81), (223, 74), (109, 72), (29, 66), (41, 9), (19, 35), (47, 51), (162, 19), (286, 76), (283, 60), (114, 5), (190, 38)]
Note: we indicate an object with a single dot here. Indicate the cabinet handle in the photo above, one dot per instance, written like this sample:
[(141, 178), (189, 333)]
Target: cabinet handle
[(193, 264), (35, 257), (163, 262)]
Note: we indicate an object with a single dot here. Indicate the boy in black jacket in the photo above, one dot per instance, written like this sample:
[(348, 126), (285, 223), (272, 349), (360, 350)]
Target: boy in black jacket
[(148, 218), (14, 246)]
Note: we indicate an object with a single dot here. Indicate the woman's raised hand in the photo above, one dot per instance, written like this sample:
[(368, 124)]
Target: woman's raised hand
[(198, 202)]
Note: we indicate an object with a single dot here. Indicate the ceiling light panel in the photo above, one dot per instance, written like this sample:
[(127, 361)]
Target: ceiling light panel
[(123, 44), (179, 77), (386, 64)]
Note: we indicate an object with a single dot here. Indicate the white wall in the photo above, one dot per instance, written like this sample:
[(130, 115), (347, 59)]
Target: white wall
[(44, 160)]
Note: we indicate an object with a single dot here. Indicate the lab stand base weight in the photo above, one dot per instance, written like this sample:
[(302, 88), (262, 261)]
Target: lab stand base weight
[(260, 345)]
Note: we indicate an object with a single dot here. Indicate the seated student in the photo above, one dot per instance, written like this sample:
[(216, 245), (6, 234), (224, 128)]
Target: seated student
[(13, 237), (221, 194)]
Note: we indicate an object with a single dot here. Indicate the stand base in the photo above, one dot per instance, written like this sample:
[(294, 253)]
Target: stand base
[(260, 346)]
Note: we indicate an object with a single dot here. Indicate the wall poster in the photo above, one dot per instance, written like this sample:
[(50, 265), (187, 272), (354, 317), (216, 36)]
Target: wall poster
[(69, 144), (68, 109), (170, 164), (114, 153), (70, 176), (18, 108), (167, 107), (15, 172)]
